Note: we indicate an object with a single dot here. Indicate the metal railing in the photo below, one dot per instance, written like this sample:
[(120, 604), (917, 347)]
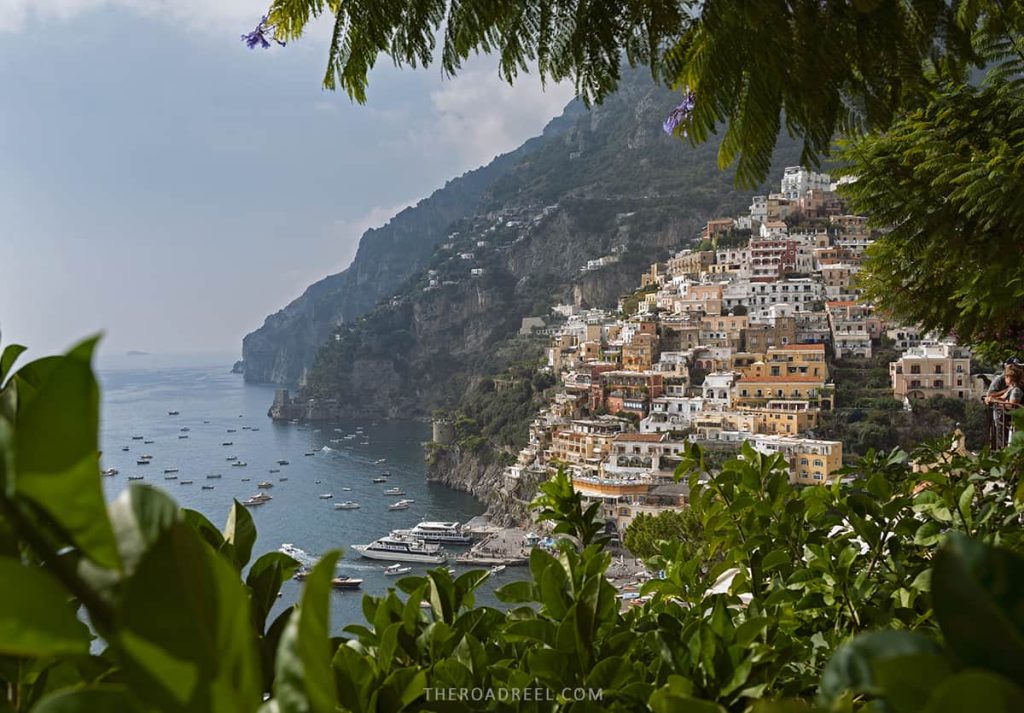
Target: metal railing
[(1000, 424)]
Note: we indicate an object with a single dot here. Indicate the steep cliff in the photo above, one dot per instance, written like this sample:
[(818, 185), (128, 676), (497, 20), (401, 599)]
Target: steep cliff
[(608, 184), (284, 347)]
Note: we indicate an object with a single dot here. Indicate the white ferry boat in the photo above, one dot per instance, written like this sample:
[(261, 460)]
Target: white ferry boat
[(402, 549), (443, 532)]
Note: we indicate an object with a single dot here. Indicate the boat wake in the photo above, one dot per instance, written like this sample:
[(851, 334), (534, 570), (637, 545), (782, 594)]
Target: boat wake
[(298, 554)]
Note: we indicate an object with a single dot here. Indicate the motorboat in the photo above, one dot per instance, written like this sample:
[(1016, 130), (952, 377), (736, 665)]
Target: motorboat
[(346, 490), (137, 438), (173, 413), (396, 569), (257, 499), (347, 505), (184, 482), (142, 461), (170, 470), (325, 496), (136, 477), (346, 583), (246, 480), (282, 462), (400, 505), (402, 549), (182, 436), (386, 474), (125, 448), (264, 484), (111, 471), (310, 453), (274, 470), (442, 532), (239, 464), (380, 479), (213, 476), (394, 491), (207, 487), (170, 477), (281, 480), (381, 460), (148, 442), (497, 568), (228, 443), (232, 430), (184, 429)]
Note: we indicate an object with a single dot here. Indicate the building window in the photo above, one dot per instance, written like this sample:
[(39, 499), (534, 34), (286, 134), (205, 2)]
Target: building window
[(915, 368), (938, 383)]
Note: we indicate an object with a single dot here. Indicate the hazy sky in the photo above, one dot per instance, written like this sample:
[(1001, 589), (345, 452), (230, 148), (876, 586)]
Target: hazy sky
[(162, 183)]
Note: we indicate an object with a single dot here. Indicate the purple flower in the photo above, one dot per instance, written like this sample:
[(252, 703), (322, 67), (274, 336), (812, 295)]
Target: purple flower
[(680, 115), (258, 37)]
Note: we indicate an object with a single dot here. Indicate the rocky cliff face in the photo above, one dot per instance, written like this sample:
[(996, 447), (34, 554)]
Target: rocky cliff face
[(483, 478), (284, 347)]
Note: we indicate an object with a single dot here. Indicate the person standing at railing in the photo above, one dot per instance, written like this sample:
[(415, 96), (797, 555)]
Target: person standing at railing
[(1004, 401)]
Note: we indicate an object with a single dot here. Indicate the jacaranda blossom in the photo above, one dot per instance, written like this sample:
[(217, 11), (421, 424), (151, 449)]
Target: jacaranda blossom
[(258, 37), (680, 115)]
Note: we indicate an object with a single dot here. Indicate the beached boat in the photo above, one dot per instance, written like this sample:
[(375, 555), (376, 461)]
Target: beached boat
[(396, 569), (347, 505), (450, 533), (402, 549), (346, 583)]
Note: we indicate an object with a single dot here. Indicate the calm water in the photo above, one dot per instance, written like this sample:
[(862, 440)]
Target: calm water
[(211, 401)]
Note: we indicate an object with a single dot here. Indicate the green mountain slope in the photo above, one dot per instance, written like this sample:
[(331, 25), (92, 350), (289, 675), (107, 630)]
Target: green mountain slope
[(609, 181)]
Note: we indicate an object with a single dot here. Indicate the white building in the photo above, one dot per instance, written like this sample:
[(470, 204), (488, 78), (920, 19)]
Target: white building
[(797, 180)]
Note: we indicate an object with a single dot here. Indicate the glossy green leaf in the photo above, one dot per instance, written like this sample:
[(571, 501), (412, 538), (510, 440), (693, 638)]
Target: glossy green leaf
[(56, 456), (139, 516), (101, 699), (10, 355), (976, 691), (304, 681), (36, 616), (978, 595), (240, 534), (853, 666), (199, 652), (264, 579)]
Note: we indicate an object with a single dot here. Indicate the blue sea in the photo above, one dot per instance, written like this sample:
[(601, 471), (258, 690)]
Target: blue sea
[(217, 407)]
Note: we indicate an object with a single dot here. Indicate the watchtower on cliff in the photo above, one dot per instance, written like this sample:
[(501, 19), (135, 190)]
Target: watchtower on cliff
[(444, 431)]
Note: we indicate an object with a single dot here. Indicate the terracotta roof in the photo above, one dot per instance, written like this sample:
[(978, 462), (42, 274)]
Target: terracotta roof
[(641, 437)]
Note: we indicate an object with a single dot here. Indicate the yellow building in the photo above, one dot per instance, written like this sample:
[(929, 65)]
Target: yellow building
[(810, 461)]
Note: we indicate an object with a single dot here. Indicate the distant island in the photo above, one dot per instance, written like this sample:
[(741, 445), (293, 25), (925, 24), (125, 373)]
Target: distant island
[(135, 352)]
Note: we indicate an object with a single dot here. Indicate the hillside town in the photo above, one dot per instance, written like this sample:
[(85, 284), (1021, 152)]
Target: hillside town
[(726, 342)]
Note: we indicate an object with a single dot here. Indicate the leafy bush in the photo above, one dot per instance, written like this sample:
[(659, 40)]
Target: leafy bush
[(900, 590)]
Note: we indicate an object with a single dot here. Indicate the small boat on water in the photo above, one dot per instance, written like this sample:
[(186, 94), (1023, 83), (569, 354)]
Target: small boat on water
[(257, 499), (182, 435), (142, 461), (174, 413), (231, 458), (137, 438), (381, 460), (184, 429), (394, 491), (228, 443), (347, 505), (170, 470), (264, 484), (346, 583), (282, 462), (148, 442), (246, 428), (395, 569), (212, 476), (310, 453), (300, 575), (125, 448), (254, 428), (246, 480), (346, 490), (497, 568), (232, 430), (380, 479), (170, 477), (136, 477), (111, 471), (239, 464), (274, 470), (325, 496), (281, 480), (184, 482), (207, 487), (400, 505)]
